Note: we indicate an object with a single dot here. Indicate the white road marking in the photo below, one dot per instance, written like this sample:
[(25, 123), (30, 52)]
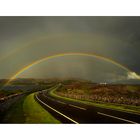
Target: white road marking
[(61, 102), (54, 99), (116, 117), (48, 97), (56, 111), (77, 107)]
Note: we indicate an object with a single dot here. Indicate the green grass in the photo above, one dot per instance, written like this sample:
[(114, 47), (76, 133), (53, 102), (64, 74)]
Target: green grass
[(35, 113), (124, 108), (27, 110)]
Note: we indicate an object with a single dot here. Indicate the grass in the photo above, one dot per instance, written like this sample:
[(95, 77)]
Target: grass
[(124, 108), (35, 113), (27, 110)]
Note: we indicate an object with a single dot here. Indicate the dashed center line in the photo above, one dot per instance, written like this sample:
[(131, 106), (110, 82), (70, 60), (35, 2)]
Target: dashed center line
[(49, 97), (61, 102), (116, 117), (77, 107)]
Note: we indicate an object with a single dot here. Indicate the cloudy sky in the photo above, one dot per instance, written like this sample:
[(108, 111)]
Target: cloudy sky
[(24, 40)]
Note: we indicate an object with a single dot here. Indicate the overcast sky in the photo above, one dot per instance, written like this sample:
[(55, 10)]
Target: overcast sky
[(24, 40)]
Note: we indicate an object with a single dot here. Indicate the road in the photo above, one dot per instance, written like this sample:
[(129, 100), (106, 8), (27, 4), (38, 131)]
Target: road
[(74, 112)]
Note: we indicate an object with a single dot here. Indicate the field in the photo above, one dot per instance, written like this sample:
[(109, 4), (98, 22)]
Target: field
[(20, 86)]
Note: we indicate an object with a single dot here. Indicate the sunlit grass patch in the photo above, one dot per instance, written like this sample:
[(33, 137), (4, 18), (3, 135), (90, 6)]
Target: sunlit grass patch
[(35, 113)]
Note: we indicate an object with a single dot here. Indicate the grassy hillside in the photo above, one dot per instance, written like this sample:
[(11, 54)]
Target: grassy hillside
[(119, 94), (27, 110), (55, 92)]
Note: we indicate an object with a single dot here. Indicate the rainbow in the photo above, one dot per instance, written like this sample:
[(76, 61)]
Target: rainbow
[(66, 54)]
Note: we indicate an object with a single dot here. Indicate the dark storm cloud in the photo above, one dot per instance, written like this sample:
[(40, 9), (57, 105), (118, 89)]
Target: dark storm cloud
[(114, 37)]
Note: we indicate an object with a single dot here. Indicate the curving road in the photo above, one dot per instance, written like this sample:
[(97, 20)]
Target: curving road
[(73, 112)]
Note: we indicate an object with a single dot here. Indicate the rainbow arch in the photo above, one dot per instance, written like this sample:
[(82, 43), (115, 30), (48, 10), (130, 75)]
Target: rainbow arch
[(65, 54)]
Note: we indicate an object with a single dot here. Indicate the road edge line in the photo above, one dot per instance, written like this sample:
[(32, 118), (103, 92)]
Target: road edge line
[(56, 111)]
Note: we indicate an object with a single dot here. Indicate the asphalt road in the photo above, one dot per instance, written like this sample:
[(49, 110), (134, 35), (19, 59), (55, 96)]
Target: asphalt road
[(73, 112)]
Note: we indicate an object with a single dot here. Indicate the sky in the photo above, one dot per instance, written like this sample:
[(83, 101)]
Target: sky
[(24, 40)]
